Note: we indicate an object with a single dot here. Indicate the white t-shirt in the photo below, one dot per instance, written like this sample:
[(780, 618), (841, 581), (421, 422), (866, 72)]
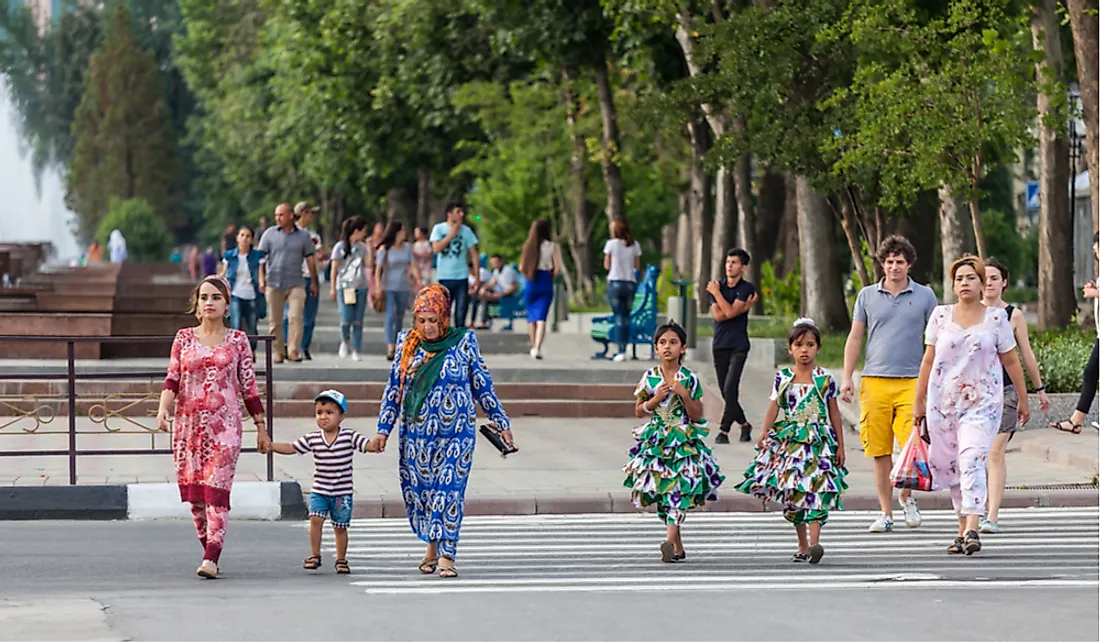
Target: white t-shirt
[(244, 288), (622, 259), (505, 278), (318, 245)]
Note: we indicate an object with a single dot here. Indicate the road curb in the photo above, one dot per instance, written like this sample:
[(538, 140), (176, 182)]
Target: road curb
[(1058, 456), (248, 500)]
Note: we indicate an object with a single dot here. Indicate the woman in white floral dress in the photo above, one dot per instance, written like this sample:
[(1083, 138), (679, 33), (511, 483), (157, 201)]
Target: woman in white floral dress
[(960, 382)]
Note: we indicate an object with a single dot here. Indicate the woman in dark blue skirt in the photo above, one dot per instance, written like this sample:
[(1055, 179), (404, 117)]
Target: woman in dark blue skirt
[(540, 264)]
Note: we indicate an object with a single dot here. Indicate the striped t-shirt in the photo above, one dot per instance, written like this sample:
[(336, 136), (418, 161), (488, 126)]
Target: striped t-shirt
[(332, 462)]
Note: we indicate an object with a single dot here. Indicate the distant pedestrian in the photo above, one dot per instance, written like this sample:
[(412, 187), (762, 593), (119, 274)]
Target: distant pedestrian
[(458, 263), (209, 262), (333, 448), (892, 313), (397, 277), (434, 390), (800, 458), (349, 284), (622, 256), (960, 395), (229, 238), (422, 252), (502, 282), (671, 465), (116, 245), (996, 280), (95, 254), (540, 264), (731, 300), (304, 214), (1092, 367), (241, 268), (284, 248), (209, 374)]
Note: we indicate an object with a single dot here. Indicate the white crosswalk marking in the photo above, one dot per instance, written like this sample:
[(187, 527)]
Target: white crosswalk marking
[(727, 551)]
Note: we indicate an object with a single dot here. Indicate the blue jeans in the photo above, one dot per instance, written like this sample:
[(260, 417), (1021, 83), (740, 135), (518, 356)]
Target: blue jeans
[(242, 316), (460, 299), (309, 316), (397, 301), (338, 509), (351, 318), (621, 296)]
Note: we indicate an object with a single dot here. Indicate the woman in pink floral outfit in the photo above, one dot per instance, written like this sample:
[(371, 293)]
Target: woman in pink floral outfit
[(209, 373), (960, 377)]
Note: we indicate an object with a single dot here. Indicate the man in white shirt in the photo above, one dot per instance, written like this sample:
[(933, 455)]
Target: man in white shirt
[(502, 283)]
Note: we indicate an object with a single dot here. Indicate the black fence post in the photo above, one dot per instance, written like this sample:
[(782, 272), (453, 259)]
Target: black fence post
[(268, 376), (72, 411)]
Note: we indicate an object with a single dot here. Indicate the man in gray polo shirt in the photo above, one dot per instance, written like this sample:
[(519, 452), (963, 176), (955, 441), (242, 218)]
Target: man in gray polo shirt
[(894, 313), (285, 247)]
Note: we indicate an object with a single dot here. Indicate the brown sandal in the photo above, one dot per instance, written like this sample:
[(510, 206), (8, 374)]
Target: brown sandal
[(448, 571), (342, 567), (1060, 425), (427, 566), (312, 562)]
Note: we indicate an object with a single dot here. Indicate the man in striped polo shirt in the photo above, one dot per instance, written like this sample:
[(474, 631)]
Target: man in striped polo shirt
[(333, 448)]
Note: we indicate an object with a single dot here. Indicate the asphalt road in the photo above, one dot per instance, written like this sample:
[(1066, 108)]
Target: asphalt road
[(559, 578)]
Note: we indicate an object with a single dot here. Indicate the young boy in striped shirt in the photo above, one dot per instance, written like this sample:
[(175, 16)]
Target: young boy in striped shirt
[(333, 448)]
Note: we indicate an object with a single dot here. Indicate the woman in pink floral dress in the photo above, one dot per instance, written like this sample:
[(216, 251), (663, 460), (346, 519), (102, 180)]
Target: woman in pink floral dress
[(210, 372), (960, 381)]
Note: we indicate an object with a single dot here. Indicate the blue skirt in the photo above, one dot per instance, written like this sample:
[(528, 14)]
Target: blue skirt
[(539, 295)]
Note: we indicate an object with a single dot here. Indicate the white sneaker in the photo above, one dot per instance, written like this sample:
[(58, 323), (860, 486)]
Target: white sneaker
[(343, 350), (619, 358), (912, 513), (534, 353), (989, 527), (355, 356), (884, 524)]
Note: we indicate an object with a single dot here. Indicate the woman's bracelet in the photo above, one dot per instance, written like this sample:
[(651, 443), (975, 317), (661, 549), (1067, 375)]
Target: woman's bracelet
[(1039, 389)]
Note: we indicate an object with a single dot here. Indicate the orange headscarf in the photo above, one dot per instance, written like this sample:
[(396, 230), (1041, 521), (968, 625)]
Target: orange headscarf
[(432, 299)]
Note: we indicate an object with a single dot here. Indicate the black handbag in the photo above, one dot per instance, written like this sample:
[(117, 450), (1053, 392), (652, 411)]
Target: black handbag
[(493, 433)]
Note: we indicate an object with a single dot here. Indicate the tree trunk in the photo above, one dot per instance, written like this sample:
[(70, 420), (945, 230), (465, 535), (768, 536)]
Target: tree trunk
[(668, 247), (854, 237), (822, 286), (702, 217), (788, 245), (1057, 301), (395, 204), (609, 156), (423, 197), (769, 212), (952, 237), (725, 221), (683, 235), (746, 215), (578, 190), (975, 211), (1083, 21)]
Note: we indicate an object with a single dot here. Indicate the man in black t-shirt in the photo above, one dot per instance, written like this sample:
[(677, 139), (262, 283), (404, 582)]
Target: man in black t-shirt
[(731, 300)]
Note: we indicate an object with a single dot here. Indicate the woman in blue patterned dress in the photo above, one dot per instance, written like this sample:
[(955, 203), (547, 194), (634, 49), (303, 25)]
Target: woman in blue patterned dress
[(432, 392)]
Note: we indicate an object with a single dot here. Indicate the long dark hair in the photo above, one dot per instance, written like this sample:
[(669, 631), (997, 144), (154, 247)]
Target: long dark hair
[(350, 226), (529, 257), (389, 237), (620, 229)]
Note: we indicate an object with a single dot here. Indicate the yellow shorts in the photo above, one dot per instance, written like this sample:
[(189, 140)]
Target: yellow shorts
[(885, 413)]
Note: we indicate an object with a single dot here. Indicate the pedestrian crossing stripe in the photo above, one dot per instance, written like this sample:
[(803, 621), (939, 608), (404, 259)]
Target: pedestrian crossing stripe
[(728, 551)]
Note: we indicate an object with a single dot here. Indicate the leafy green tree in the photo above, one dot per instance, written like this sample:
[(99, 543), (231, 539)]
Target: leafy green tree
[(125, 145), (147, 237)]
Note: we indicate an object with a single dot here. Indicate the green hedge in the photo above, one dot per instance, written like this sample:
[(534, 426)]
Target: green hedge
[(1062, 355)]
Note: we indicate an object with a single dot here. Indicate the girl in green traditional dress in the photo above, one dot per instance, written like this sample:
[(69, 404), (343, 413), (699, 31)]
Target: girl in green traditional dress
[(671, 466), (800, 458)]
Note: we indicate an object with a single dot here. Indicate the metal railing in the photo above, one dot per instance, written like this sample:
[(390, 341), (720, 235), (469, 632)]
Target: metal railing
[(70, 400)]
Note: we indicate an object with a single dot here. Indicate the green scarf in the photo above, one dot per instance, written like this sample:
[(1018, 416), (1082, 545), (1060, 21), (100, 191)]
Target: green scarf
[(421, 382)]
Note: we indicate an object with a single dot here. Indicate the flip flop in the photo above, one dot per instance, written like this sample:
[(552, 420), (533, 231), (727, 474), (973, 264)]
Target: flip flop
[(427, 566), (1060, 426)]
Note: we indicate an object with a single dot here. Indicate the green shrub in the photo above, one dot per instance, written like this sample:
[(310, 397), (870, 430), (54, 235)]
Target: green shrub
[(1062, 355), (147, 237), (781, 297)]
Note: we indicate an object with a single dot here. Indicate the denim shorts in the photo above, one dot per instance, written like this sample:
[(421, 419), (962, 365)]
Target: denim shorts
[(338, 509)]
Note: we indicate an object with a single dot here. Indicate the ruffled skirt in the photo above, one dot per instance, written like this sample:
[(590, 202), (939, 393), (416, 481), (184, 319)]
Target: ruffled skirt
[(796, 467), (672, 467)]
